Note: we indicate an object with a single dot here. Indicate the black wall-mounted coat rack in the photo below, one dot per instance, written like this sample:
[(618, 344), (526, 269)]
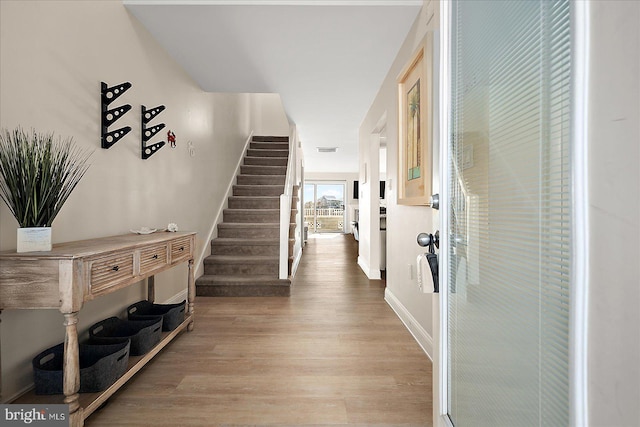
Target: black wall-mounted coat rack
[(108, 117), (146, 115)]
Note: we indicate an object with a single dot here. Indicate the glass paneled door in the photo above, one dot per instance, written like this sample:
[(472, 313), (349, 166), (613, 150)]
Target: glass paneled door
[(509, 214), (324, 207)]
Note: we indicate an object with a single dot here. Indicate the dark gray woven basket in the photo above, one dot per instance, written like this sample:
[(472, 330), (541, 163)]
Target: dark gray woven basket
[(144, 334), (100, 366), (172, 314)]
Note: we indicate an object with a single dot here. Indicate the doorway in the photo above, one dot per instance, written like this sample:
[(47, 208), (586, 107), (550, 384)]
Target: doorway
[(324, 206)]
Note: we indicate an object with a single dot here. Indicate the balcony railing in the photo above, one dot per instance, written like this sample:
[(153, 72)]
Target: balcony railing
[(309, 212), (324, 219)]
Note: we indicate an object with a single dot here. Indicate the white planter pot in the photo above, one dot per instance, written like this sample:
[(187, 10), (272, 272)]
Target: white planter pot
[(33, 239)]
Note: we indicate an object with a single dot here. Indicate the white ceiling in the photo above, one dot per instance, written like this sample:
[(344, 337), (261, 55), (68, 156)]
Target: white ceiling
[(327, 59)]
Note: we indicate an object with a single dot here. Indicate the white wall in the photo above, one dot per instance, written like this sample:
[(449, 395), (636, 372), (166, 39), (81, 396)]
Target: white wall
[(403, 222), (53, 56), (267, 115), (614, 215)]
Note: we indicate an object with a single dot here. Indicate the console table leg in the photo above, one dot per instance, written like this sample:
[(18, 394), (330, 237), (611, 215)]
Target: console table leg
[(191, 294), (71, 369), (151, 288)]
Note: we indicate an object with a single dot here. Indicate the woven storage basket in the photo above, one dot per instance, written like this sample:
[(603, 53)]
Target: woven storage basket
[(144, 334), (172, 314), (100, 366)]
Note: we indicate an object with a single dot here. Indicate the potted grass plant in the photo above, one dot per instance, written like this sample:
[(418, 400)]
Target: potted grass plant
[(38, 172)]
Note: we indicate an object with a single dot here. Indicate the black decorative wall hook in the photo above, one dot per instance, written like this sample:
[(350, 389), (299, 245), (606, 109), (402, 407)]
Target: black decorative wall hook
[(148, 132), (108, 117)]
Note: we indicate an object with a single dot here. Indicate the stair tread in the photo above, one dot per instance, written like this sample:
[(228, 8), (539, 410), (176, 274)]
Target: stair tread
[(269, 138), (249, 224), (244, 259), (270, 158), (260, 152), (245, 278), (254, 224), (245, 241), (254, 197), (268, 287), (261, 185), (255, 176), (252, 210)]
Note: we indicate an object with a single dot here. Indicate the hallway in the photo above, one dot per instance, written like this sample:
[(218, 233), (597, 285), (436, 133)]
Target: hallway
[(333, 353)]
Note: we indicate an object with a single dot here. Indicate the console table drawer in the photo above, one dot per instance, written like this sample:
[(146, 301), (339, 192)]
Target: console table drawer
[(109, 271), (180, 249), (153, 257)]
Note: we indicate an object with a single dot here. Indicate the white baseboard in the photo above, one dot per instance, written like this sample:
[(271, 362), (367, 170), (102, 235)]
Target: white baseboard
[(296, 262), (371, 274), (179, 297), (8, 399), (424, 340)]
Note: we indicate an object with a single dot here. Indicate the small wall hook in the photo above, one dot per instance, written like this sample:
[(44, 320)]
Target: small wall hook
[(146, 115), (109, 116)]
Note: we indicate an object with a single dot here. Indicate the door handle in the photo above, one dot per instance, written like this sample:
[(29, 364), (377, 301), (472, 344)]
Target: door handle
[(427, 240), (424, 239)]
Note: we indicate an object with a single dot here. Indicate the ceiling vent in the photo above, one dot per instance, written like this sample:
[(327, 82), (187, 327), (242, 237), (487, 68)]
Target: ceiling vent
[(327, 149)]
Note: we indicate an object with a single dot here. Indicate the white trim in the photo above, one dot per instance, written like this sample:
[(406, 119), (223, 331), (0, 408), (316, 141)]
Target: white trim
[(372, 274), (285, 224), (24, 390), (207, 246), (440, 327), (421, 336), (578, 330), (179, 297), (296, 262)]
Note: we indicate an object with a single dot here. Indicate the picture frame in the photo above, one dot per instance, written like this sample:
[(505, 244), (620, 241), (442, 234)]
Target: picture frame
[(415, 127)]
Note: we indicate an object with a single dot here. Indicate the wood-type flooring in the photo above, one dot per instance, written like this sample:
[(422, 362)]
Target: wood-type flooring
[(333, 353)]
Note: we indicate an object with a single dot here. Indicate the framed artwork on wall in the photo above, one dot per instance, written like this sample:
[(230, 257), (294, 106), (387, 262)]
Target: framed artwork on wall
[(415, 93)]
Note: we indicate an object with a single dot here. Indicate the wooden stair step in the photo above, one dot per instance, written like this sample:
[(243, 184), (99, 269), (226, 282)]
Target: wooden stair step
[(270, 138), (254, 202), (245, 246), (258, 145), (263, 170), (244, 286), (242, 265), (248, 230), (251, 215), (263, 152), (266, 161), (258, 190), (261, 180)]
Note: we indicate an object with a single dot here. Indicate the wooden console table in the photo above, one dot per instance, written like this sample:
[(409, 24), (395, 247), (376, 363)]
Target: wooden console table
[(75, 272)]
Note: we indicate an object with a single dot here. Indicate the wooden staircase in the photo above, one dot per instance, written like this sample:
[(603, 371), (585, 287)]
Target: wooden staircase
[(244, 260)]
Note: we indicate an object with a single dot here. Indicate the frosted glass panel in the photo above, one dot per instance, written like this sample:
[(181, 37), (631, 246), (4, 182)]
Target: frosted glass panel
[(510, 215)]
